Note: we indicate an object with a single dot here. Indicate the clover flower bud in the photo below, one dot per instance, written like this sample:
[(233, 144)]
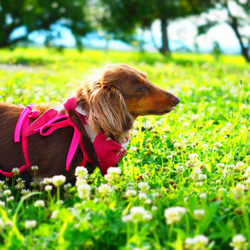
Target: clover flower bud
[(58, 180), (143, 186), (199, 214), (30, 224), (239, 242), (174, 214)]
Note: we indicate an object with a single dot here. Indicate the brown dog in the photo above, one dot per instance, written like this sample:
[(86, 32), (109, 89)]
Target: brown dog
[(105, 108)]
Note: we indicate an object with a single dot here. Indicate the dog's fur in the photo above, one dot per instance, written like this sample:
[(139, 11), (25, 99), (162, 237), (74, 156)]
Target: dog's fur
[(113, 97)]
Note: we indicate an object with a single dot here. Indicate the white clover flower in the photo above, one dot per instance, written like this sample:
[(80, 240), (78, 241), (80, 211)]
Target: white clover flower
[(47, 181), (30, 224), (143, 186), (155, 195), (48, 188), (195, 174), (217, 145), (199, 242), (238, 191), (104, 189), (96, 200), (110, 178), (39, 203), (244, 106), (239, 166), (218, 181), (18, 91), (137, 214), (9, 99), (10, 198), (147, 202), (15, 171), (127, 218), (147, 216), (247, 181), (81, 172), (247, 172), (80, 181), (133, 149), (180, 169), (25, 191), (154, 208), (199, 183), (113, 175), (20, 185), (239, 242), (142, 196), (2, 204), (185, 124), (174, 214), (202, 177), (190, 243), (114, 171), (58, 180), (193, 160), (231, 167), (203, 196), (83, 191), (7, 192), (193, 157), (243, 129), (67, 186), (59, 202), (34, 168), (199, 214), (130, 193), (177, 145), (2, 184), (194, 117), (205, 146), (220, 166), (54, 214)]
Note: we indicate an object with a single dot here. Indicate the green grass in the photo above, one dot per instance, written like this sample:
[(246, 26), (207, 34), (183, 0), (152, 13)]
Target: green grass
[(212, 122)]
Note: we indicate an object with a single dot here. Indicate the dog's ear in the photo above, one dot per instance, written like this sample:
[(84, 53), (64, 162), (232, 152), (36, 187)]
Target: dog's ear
[(108, 111)]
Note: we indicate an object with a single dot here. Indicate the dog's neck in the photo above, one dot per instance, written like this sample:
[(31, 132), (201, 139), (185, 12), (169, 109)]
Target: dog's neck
[(71, 104)]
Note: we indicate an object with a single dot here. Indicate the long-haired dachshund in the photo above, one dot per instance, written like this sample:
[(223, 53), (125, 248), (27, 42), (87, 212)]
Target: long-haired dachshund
[(89, 129)]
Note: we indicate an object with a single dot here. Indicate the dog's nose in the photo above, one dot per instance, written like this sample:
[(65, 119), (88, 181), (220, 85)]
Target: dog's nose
[(176, 100)]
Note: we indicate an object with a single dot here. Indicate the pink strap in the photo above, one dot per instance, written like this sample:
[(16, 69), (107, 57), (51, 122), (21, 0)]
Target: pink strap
[(44, 118), (62, 121)]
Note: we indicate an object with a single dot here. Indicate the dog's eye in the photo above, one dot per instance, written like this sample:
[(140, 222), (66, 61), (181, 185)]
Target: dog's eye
[(142, 88)]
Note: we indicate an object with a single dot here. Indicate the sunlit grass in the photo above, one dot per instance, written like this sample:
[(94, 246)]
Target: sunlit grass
[(195, 159)]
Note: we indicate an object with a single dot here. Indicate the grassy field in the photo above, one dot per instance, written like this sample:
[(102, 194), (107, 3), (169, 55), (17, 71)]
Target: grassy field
[(185, 179)]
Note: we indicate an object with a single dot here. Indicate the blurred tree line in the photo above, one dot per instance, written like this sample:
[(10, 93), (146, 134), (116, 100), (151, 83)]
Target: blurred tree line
[(118, 19)]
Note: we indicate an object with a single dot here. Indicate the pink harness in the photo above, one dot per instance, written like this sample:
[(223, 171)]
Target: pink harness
[(107, 150)]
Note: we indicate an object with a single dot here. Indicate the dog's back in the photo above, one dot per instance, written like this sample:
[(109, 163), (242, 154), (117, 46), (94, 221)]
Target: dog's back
[(49, 152)]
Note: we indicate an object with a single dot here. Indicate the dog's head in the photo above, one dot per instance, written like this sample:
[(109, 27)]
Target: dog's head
[(115, 95)]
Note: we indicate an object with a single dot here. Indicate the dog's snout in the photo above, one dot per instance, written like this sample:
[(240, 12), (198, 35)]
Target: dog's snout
[(173, 99)]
